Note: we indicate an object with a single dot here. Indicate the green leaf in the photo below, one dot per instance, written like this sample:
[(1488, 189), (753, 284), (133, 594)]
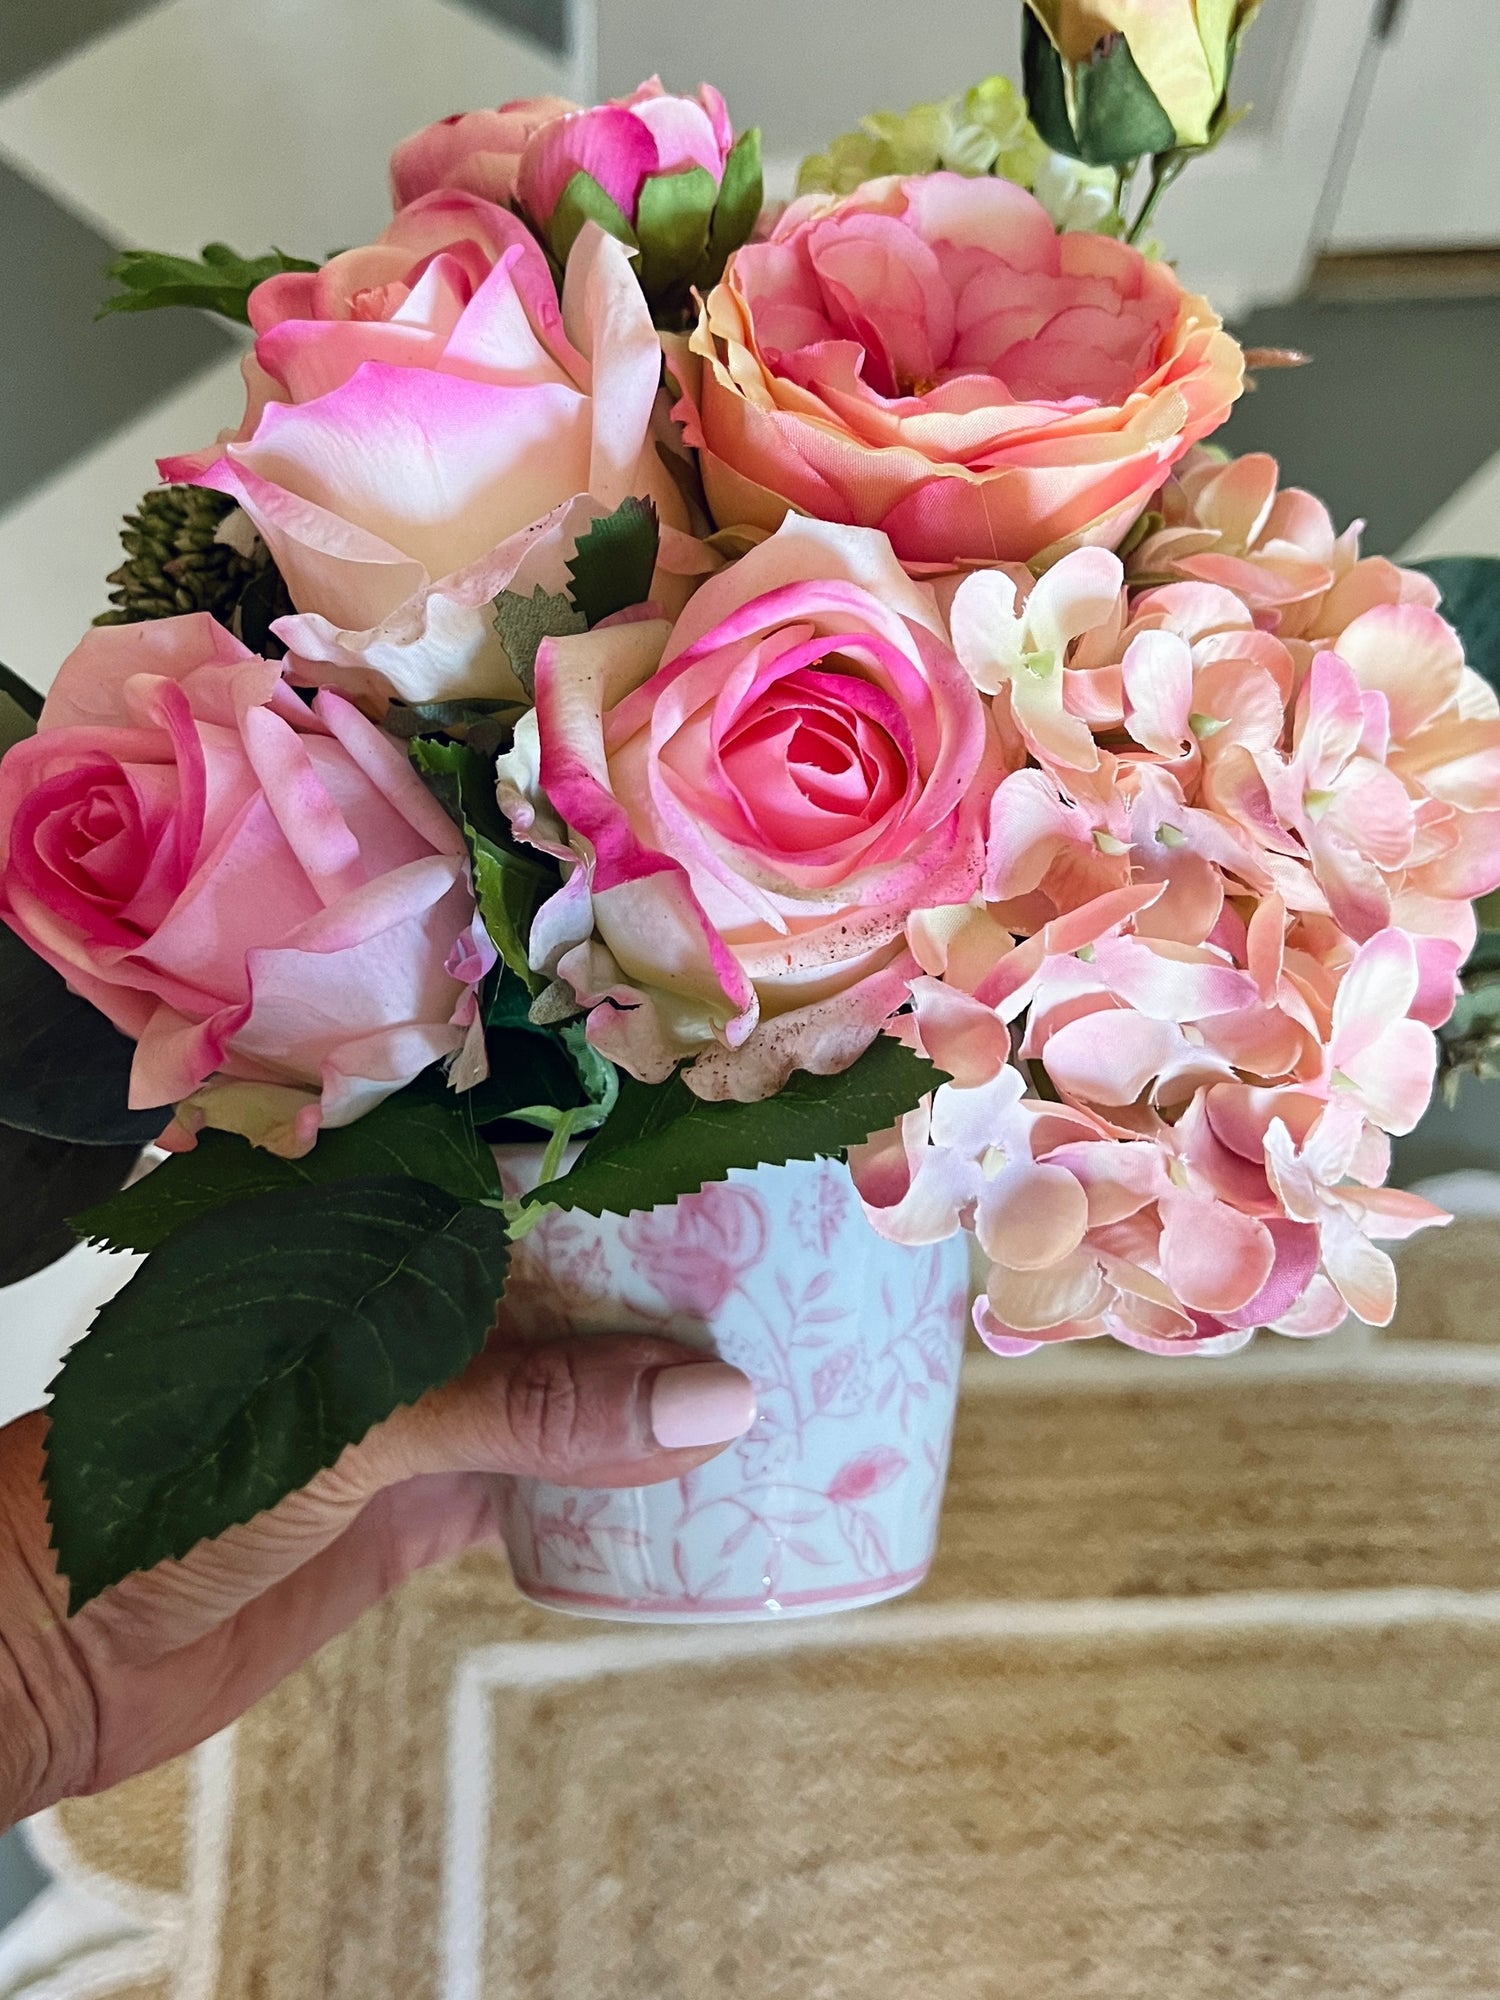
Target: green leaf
[(220, 281), (1104, 113), (581, 201), (616, 560), (508, 883), (20, 706), (64, 1069), (742, 195), (529, 1068), (662, 1142), (523, 623), (44, 1180), (672, 224), (1471, 603), (1046, 88), (425, 1132), (249, 1352)]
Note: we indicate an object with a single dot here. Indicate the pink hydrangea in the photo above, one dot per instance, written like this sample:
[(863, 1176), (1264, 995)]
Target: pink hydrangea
[(1226, 897)]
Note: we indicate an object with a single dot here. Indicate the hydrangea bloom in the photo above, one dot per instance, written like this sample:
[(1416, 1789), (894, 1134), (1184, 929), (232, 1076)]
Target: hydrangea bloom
[(1227, 893)]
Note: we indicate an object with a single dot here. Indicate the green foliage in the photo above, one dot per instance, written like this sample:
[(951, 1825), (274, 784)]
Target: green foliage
[(1471, 603), (524, 622), (1105, 114), (672, 223), (175, 563), (221, 281), (508, 882), (64, 1069), (662, 1142), (581, 201), (425, 1133), (43, 1181), (616, 560), (742, 195), (250, 1350)]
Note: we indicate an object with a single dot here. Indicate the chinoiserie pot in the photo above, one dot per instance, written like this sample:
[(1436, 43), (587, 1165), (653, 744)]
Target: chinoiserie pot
[(831, 1500)]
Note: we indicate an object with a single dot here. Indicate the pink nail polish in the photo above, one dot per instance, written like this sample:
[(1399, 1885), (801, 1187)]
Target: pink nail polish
[(704, 1402)]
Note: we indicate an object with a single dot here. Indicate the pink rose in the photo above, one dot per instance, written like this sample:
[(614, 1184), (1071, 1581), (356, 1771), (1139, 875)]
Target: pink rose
[(476, 151), (623, 145), (261, 894), (748, 808), (425, 432), (929, 357)]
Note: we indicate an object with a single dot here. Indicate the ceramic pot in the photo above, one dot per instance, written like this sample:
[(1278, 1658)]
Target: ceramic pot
[(831, 1501)]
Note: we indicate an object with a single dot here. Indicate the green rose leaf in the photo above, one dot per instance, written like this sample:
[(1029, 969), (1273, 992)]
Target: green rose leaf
[(523, 623), (742, 195), (1103, 113), (662, 1142), (1471, 603), (64, 1069), (581, 201), (249, 1351), (616, 560), (220, 281), (44, 1181), (425, 1132), (508, 882), (1046, 88), (672, 221), (20, 708)]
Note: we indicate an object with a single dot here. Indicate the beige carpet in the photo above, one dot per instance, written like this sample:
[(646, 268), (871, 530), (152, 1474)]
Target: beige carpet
[(1201, 1703)]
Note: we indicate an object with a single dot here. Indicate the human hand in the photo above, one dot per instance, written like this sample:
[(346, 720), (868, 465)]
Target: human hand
[(166, 1659)]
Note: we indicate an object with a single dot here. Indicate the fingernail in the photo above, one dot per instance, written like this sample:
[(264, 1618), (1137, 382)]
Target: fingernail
[(702, 1402)]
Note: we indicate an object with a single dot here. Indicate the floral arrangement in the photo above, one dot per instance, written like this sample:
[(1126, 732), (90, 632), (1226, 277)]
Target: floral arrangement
[(717, 687)]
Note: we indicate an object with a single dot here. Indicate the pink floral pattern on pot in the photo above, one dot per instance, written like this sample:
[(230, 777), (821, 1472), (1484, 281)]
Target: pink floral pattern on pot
[(853, 1343)]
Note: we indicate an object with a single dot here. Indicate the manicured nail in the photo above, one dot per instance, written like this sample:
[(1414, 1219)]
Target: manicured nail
[(702, 1402)]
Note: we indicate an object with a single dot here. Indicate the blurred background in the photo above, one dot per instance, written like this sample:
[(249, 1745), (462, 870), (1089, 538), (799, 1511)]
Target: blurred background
[(1354, 214)]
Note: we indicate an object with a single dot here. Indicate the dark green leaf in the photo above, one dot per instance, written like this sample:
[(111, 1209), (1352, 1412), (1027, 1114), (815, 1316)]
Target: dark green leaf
[(1471, 602), (425, 1132), (508, 882), (662, 1142), (249, 1352), (581, 201), (221, 281), (529, 1067), (523, 623), (741, 197), (1046, 88), (672, 223), (43, 1181), (20, 706), (64, 1070), (616, 560), (1117, 114)]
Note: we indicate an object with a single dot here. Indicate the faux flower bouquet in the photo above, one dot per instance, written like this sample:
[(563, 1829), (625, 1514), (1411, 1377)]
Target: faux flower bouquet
[(724, 687)]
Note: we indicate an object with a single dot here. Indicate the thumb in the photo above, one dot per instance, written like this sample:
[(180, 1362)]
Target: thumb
[(606, 1410)]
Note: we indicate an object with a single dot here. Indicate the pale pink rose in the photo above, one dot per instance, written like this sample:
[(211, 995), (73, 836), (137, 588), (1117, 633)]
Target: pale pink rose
[(624, 144), (433, 429), (478, 152), (929, 357), (261, 894), (750, 806)]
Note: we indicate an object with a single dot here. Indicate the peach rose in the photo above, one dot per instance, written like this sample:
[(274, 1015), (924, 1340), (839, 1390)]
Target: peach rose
[(929, 357)]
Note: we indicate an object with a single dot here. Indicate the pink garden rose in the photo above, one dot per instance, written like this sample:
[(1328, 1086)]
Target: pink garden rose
[(748, 808), (623, 145), (929, 357), (261, 894), (478, 152), (428, 427)]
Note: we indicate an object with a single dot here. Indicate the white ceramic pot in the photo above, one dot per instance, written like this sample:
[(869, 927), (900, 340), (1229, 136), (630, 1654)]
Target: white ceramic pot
[(831, 1501)]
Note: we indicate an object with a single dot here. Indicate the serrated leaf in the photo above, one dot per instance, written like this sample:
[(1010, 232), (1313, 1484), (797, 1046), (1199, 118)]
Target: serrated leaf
[(523, 623), (425, 1132), (584, 200), (20, 706), (1471, 603), (662, 1142), (43, 1181), (742, 196), (616, 560), (672, 224), (249, 1352), (64, 1069), (509, 883), (220, 281)]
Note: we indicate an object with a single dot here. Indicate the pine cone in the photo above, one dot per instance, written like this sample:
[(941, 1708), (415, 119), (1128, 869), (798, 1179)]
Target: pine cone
[(175, 564)]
